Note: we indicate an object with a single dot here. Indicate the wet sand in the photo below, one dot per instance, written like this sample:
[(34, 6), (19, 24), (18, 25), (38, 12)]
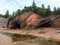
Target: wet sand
[(5, 40), (51, 33)]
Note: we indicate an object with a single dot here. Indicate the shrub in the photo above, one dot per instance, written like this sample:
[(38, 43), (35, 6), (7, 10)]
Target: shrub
[(9, 19)]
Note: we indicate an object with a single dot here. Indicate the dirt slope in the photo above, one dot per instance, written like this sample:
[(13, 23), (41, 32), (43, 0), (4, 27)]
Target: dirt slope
[(3, 22)]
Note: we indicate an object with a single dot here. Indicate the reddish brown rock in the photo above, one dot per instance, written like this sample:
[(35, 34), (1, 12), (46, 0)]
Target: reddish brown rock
[(56, 22), (33, 21), (24, 17), (14, 23), (30, 20)]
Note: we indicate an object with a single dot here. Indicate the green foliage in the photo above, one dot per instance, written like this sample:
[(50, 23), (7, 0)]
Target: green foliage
[(26, 9), (18, 12), (30, 8), (9, 19), (38, 10), (41, 11), (34, 6), (56, 11), (1, 15), (13, 15), (48, 11), (43, 6)]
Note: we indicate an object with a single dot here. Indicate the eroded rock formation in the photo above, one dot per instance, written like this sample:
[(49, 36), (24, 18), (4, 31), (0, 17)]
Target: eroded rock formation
[(56, 21), (27, 19), (32, 20), (14, 23)]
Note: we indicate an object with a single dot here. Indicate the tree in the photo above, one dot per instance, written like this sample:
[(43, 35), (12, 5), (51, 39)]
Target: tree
[(30, 8), (55, 11), (7, 14), (1, 15), (26, 9), (58, 11), (13, 14), (48, 11), (9, 19), (40, 11), (43, 6), (18, 12), (34, 6)]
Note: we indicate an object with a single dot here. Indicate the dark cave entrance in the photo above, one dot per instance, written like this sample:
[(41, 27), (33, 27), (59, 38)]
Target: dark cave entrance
[(16, 25)]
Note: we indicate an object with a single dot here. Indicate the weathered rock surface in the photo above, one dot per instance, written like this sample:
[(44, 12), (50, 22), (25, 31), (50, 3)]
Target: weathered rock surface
[(32, 20), (14, 23), (56, 22), (27, 19)]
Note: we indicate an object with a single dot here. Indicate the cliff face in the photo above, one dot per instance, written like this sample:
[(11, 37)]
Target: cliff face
[(32, 21), (27, 19), (14, 23), (56, 22), (24, 17)]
